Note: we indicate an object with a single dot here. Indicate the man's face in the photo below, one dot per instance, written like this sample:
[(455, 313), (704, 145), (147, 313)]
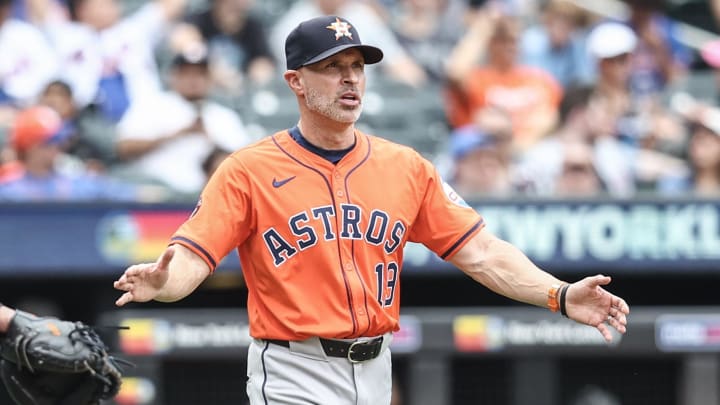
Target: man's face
[(616, 69), (334, 86), (704, 149), (59, 99), (229, 14), (191, 81), (42, 156), (482, 171), (100, 14)]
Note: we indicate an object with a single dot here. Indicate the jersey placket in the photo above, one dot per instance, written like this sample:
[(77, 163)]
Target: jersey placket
[(352, 274)]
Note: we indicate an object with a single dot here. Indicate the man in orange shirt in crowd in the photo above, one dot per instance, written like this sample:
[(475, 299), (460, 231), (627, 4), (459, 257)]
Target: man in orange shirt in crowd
[(529, 95)]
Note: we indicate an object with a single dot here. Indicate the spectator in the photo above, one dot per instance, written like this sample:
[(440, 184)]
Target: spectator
[(612, 44), (619, 165), (481, 168), (529, 95), (703, 155), (659, 57), (557, 43), (237, 42), (165, 138), (107, 58), (428, 30), (640, 122), (710, 53), (27, 64), (578, 177), (212, 161), (80, 145), (579, 121), (397, 64), (36, 138)]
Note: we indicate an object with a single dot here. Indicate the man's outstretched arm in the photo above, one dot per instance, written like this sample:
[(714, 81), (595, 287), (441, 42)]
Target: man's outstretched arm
[(176, 274), (506, 270)]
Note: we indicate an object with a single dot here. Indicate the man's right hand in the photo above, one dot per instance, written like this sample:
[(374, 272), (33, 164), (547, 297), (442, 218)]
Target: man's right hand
[(143, 282)]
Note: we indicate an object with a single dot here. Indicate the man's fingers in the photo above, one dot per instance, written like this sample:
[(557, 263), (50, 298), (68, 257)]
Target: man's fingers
[(615, 323), (605, 332), (601, 280), (124, 299), (621, 305), (133, 270), (619, 316)]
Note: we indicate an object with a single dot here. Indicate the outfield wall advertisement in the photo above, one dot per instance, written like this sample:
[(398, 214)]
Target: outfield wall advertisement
[(622, 236)]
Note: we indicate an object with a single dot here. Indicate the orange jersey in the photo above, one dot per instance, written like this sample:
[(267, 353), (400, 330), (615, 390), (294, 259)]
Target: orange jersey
[(321, 245), (527, 94)]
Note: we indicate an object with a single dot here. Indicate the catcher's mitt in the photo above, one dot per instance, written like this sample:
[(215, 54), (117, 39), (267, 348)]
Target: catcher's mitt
[(48, 361)]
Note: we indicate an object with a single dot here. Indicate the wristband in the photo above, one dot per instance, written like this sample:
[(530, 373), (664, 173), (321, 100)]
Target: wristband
[(553, 303), (563, 295)]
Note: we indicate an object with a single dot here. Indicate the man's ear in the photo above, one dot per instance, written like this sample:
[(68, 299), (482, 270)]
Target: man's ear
[(294, 81)]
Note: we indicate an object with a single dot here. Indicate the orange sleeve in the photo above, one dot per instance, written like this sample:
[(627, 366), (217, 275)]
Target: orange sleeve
[(464, 100), (222, 219), (554, 89), (444, 222), (457, 107)]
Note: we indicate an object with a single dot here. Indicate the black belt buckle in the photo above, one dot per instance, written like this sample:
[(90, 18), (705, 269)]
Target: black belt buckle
[(363, 351)]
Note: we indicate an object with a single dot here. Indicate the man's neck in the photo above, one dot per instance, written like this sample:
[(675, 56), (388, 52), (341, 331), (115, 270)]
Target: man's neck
[(336, 136)]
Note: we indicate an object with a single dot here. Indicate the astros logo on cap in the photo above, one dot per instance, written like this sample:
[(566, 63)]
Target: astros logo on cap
[(341, 28)]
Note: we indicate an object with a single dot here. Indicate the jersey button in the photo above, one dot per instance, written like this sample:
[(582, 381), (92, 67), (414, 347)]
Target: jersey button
[(340, 193), (338, 175), (348, 266), (361, 312)]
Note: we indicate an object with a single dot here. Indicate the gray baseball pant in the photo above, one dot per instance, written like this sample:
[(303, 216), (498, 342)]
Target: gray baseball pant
[(303, 374)]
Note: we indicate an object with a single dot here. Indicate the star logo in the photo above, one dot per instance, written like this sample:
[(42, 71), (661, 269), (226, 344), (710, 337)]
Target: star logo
[(341, 28)]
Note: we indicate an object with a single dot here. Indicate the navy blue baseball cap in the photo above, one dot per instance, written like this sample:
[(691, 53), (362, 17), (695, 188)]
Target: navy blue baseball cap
[(318, 38)]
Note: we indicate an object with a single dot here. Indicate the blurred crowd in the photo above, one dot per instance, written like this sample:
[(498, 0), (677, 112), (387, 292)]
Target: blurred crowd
[(138, 100)]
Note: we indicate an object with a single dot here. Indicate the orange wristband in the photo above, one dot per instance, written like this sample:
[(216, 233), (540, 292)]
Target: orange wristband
[(553, 302)]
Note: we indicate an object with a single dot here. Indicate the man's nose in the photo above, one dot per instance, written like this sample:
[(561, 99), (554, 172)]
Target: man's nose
[(350, 75)]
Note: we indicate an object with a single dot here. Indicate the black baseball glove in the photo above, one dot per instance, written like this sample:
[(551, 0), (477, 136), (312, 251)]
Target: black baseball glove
[(48, 361)]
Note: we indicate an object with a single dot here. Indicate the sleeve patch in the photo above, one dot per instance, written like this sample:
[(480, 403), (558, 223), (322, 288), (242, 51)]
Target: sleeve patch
[(453, 196), (197, 208)]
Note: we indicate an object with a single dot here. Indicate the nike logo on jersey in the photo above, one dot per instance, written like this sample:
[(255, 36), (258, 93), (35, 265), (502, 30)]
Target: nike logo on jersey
[(280, 183)]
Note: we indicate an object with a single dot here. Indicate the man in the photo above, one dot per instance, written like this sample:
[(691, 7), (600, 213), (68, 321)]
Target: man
[(108, 56), (165, 137), (37, 139), (28, 63), (480, 165), (556, 43), (484, 70), (320, 214), (237, 42)]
